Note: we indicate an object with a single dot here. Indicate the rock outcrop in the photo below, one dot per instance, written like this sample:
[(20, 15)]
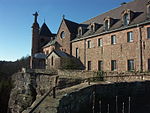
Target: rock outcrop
[(24, 92), (27, 87)]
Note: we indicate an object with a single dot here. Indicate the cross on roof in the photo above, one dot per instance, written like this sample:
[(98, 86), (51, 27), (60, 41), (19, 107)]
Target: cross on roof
[(35, 17)]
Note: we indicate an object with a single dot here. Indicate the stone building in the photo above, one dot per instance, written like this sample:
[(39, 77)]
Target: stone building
[(118, 40)]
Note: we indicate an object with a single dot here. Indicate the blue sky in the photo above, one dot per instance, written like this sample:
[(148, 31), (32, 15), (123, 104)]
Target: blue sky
[(16, 20)]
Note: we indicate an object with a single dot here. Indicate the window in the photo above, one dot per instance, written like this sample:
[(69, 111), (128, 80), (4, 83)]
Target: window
[(100, 65), (130, 37), (80, 31), (92, 28), (148, 11), (62, 35), (77, 52), (126, 19), (113, 39), (107, 25), (89, 65), (52, 61), (100, 42), (130, 65), (148, 64), (89, 44), (148, 32), (113, 65)]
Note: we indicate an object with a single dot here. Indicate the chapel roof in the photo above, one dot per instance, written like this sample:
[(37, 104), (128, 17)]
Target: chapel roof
[(72, 26), (44, 31), (59, 53)]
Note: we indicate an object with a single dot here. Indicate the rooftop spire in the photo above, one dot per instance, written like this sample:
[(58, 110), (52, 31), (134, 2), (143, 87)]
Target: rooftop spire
[(35, 17)]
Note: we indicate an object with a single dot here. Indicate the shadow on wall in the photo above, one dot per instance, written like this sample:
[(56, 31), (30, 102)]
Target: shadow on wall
[(72, 63)]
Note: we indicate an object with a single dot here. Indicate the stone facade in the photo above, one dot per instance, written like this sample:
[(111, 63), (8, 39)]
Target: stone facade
[(64, 42), (122, 51)]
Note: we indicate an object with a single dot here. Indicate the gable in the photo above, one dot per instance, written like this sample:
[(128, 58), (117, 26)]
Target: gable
[(58, 54), (63, 27), (52, 54)]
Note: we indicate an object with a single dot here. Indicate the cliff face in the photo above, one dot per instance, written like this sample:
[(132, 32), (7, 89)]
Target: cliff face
[(23, 94), (27, 87)]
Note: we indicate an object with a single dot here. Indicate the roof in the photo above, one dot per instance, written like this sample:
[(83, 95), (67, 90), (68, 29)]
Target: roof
[(44, 31), (59, 53), (52, 42), (139, 7), (40, 56), (72, 26)]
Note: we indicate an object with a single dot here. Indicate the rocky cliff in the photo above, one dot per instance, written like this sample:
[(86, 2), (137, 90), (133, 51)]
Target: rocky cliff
[(27, 87)]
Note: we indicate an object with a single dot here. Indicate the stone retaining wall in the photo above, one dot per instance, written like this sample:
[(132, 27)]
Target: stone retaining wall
[(76, 73), (108, 76), (88, 99)]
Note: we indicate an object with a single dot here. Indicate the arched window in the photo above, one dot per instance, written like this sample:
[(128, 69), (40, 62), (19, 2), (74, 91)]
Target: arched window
[(107, 25), (62, 35), (126, 19), (80, 31), (92, 28)]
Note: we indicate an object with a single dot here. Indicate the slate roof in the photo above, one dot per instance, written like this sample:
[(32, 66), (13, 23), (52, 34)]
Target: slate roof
[(139, 7), (72, 26), (40, 56), (59, 53), (52, 42), (44, 31)]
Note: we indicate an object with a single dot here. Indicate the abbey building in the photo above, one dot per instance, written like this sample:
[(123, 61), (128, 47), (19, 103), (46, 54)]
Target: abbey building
[(118, 40)]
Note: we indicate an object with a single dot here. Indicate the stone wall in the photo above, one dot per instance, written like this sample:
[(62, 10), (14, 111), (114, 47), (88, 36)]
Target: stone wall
[(76, 73), (97, 98), (77, 102), (64, 42), (107, 76)]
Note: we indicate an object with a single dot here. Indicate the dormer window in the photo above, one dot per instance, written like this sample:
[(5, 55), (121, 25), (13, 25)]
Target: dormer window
[(126, 19), (108, 22), (80, 31), (107, 25), (148, 10), (92, 28)]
